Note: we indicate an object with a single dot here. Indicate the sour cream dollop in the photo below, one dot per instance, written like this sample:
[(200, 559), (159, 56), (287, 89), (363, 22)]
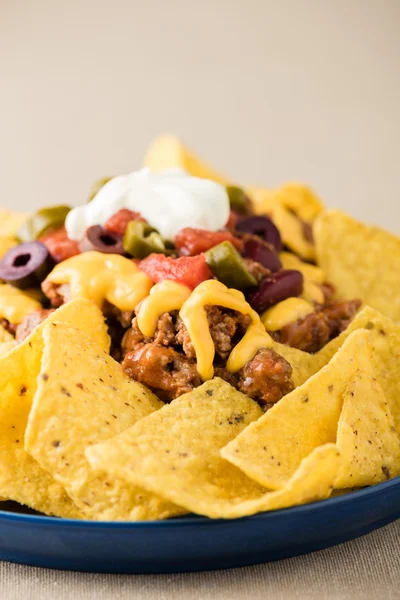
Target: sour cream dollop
[(169, 201)]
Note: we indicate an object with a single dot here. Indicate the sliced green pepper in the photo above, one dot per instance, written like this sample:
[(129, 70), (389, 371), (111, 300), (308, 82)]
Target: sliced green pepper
[(229, 267), (96, 187), (237, 198), (141, 239), (43, 221)]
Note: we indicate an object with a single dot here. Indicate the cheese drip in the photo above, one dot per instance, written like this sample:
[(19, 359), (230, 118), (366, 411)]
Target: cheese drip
[(286, 312), (194, 316), (15, 304), (99, 277), (164, 297)]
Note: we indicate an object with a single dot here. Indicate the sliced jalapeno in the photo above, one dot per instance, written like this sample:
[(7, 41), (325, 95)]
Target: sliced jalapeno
[(237, 199), (229, 267), (43, 221), (141, 239)]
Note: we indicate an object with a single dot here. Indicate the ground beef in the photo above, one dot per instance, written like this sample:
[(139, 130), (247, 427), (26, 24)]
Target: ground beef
[(167, 362), (29, 323), (164, 335), (328, 289), (317, 329), (256, 269), (226, 327), (164, 370), (117, 322), (266, 378), (307, 231), (57, 294), (10, 327)]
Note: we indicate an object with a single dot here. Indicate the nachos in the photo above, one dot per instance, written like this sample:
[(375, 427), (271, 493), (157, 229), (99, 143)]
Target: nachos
[(241, 323)]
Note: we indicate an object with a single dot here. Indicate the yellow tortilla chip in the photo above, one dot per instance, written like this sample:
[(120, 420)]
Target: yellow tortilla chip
[(292, 231), (167, 151), (21, 477), (7, 346), (367, 439), (174, 452), (314, 480), (5, 336), (270, 450), (10, 222), (165, 454), (361, 261), (83, 397), (295, 197), (286, 206)]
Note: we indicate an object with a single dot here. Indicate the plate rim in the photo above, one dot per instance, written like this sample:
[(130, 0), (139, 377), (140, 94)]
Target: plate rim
[(351, 497)]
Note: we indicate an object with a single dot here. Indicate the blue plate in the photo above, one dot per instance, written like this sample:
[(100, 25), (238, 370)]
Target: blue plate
[(194, 543)]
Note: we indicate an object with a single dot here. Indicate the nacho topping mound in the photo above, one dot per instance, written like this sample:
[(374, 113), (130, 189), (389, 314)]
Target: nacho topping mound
[(224, 371)]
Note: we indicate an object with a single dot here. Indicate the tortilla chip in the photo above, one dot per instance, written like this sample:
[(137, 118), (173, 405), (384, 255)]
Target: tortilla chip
[(270, 450), (21, 477), (314, 480), (367, 439), (361, 261), (5, 336), (295, 197), (292, 231), (166, 454), (83, 398), (10, 222), (174, 452), (168, 152), (7, 346)]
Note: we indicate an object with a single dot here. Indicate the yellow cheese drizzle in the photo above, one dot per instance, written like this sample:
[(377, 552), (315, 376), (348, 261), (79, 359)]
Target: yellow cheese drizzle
[(286, 312), (15, 304), (99, 277), (312, 292), (164, 297), (194, 316)]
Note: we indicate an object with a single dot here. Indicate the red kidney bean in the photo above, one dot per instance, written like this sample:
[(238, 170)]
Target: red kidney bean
[(263, 227), (97, 238), (262, 252), (279, 286)]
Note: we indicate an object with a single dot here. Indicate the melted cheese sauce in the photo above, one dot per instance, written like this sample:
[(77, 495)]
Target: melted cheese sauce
[(164, 297), (312, 293), (15, 304), (99, 277), (286, 312), (194, 316)]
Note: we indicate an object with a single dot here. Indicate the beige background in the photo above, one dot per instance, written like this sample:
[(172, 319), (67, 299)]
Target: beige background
[(266, 90)]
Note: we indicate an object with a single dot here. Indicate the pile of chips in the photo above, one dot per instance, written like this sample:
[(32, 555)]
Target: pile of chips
[(79, 439)]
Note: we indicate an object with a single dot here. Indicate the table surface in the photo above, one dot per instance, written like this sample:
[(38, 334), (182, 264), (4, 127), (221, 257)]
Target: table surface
[(365, 569)]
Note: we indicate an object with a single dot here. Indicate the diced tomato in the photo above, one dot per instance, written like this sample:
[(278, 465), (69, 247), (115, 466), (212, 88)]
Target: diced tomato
[(189, 270), (190, 242), (119, 222), (233, 219), (59, 245)]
